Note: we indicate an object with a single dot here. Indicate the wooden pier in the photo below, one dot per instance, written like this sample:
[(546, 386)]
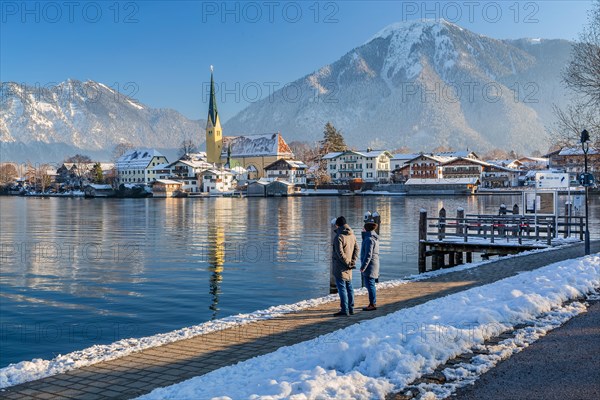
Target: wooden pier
[(452, 241)]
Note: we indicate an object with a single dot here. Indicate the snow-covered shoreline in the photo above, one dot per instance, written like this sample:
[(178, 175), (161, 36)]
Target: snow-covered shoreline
[(26, 371), (382, 355)]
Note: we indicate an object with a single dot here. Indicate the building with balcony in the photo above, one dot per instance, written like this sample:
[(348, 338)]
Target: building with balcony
[(571, 160), (368, 165), (292, 171), (217, 181), (138, 166)]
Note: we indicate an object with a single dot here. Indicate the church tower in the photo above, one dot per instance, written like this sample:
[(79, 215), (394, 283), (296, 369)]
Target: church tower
[(214, 134)]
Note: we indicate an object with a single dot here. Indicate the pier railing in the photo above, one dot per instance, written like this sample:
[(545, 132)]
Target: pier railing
[(490, 234)]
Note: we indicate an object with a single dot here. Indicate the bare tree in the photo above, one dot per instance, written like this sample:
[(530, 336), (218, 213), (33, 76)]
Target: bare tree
[(187, 147), (582, 75), (8, 173), (496, 154), (121, 149), (83, 166), (570, 121)]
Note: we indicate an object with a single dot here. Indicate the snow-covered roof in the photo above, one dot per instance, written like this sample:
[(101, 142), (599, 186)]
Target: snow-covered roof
[(504, 163), (284, 182), (533, 159), (137, 158), (270, 144), (217, 172), (193, 164), (440, 159), (455, 154), (576, 151), (260, 182), (330, 156), (502, 168), (200, 156), (445, 181), (239, 169), (292, 163), (168, 182), (469, 160), (161, 166), (99, 186), (364, 153)]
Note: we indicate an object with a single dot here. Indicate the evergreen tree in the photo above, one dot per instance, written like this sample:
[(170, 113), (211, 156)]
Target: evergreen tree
[(96, 173), (332, 140)]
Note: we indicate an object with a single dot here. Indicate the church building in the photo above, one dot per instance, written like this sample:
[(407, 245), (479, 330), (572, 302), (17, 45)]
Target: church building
[(252, 152)]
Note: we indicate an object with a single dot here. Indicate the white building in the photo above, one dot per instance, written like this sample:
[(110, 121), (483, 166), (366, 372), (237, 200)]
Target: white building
[(138, 166), (292, 171), (217, 181), (368, 165)]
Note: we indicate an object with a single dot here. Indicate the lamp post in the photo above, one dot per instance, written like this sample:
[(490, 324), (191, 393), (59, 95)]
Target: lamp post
[(585, 146)]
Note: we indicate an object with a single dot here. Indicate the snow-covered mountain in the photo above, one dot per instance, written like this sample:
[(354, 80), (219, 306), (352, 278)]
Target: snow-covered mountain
[(41, 124), (423, 84)]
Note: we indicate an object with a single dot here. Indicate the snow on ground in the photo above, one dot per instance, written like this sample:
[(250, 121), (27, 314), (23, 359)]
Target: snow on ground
[(464, 374), (375, 357), (26, 371)]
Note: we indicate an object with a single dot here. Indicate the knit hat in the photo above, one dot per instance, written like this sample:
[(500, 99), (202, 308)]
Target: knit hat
[(340, 221), (370, 226)]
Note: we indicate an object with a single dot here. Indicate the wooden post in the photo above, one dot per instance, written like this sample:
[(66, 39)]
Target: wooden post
[(549, 233), (568, 210), (460, 221), (460, 230), (492, 230), (521, 230), (442, 224), (422, 238), (451, 259), (438, 260), (332, 285), (581, 228), (469, 257)]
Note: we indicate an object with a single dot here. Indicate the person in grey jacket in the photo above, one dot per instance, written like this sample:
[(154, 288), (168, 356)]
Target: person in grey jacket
[(344, 255), (369, 262)]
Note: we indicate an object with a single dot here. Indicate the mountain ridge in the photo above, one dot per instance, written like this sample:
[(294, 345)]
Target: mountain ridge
[(383, 88)]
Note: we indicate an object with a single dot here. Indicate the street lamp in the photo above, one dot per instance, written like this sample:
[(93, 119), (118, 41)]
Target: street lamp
[(585, 146)]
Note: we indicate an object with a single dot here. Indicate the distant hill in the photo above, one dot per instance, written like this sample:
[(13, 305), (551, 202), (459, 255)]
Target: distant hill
[(83, 117)]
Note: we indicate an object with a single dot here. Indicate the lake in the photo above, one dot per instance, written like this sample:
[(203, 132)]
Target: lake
[(78, 272)]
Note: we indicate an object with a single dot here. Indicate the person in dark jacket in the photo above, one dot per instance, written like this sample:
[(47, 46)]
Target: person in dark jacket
[(344, 255), (369, 262)]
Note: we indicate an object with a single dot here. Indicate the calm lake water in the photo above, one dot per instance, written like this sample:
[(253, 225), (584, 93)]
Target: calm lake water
[(78, 272)]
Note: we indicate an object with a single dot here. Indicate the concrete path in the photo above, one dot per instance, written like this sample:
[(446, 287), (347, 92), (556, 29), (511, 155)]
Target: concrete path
[(563, 365), (146, 370)]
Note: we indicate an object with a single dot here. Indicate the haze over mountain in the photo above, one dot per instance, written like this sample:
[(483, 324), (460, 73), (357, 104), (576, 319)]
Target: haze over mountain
[(423, 84), (48, 124), (417, 84)]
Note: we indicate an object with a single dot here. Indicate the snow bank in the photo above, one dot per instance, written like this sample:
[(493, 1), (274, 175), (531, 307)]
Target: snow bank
[(370, 359)]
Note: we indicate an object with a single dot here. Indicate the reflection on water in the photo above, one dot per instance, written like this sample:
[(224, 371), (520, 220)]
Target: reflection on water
[(77, 272), (216, 259)]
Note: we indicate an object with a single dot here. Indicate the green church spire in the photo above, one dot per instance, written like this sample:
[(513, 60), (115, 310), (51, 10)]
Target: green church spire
[(212, 106)]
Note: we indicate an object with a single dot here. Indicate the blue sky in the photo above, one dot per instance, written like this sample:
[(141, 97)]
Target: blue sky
[(160, 52)]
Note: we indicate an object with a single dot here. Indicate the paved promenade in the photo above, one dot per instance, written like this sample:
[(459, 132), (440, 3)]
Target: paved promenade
[(141, 372), (559, 366)]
